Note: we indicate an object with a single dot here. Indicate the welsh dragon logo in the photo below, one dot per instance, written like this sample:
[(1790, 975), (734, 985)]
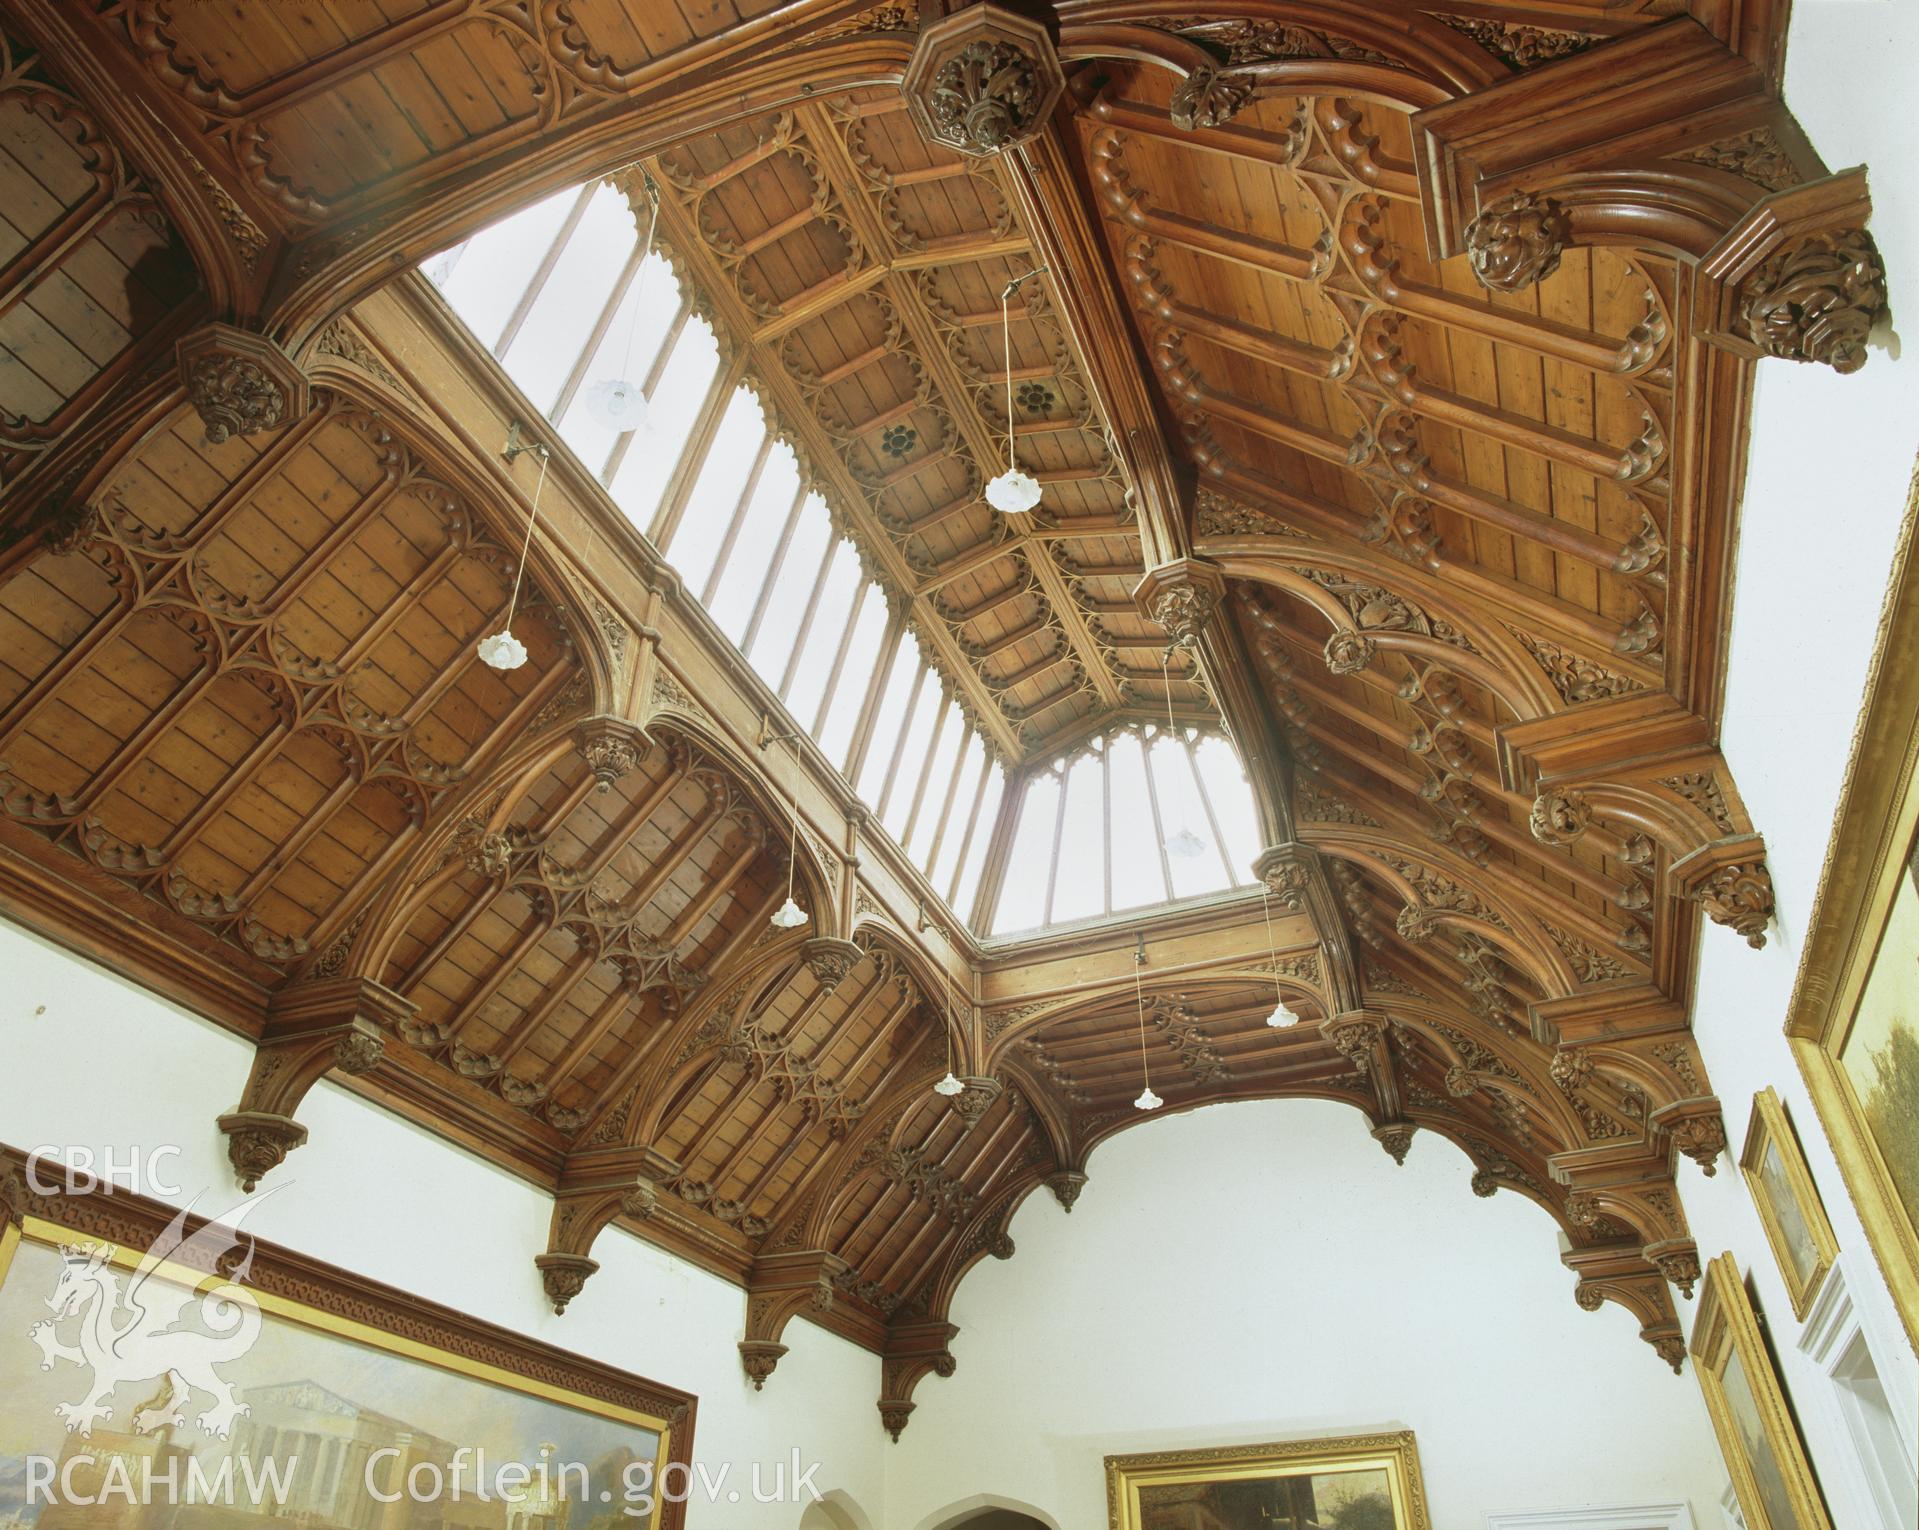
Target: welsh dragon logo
[(140, 1334)]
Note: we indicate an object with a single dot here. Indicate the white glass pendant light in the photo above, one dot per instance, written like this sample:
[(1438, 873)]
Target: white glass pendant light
[(619, 403), (1282, 1015), (1013, 492), (789, 915), (1147, 1099), (502, 650), (1182, 844)]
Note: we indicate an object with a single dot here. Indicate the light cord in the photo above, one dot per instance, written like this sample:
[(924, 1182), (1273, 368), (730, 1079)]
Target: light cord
[(1006, 343), (639, 285), (513, 601), (793, 840), (1139, 998), (1272, 946)]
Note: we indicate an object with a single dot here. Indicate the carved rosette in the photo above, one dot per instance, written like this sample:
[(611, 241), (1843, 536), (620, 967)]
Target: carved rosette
[(258, 1142), (240, 383), (982, 80), (1347, 653), (1460, 1082), (1559, 818), (1209, 98), (611, 746), (1396, 1138), (830, 960), (1517, 241), (563, 1276), (1571, 1068), (358, 1052), (1066, 1186), (975, 1099), (1817, 299)]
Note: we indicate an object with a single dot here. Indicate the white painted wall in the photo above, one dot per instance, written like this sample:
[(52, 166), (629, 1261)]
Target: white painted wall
[(1257, 1271), (89, 1059), (1827, 482)]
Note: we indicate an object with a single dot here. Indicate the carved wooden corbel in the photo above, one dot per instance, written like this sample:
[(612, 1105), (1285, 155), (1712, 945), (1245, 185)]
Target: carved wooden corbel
[(1359, 1036), (778, 1288), (1396, 1137), (975, 1098), (612, 746), (1797, 277), (1728, 878), (1181, 597), (1617, 1273), (240, 383), (830, 960), (311, 1030), (983, 79), (1066, 1186), (1695, 1127), (913, 1350), (593, 1191), (1629, 1183)]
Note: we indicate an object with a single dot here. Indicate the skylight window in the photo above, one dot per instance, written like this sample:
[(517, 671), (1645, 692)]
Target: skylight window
[(1095, 828), (564, 297)]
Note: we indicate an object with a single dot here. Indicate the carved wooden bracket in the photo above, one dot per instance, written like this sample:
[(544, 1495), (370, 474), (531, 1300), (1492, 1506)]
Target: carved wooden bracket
[(1396, 1137), (1289, 872), (1728, 878), (1066, 1186), (1630, 1183), (1664, 139), (1181, 596), (983, 80), (1696, 1128), (593, 1191), (913, 1350), (778, 1288), (976, 1098), (612, 746), (311, 1030), (1797, 277), (1359, 1036), (1617, 1273), (829, 960), (240, 382)]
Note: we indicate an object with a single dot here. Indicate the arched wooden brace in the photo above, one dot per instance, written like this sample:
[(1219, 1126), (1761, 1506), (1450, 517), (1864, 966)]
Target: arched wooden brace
[(780, 1286), (594, 1189), (311, 1030)]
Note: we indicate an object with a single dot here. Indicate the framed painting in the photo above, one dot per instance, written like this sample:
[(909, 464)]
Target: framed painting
[(1364, 1482), (1787, 1201), (1854, 1015), (1757, 1436), (156, 1360)]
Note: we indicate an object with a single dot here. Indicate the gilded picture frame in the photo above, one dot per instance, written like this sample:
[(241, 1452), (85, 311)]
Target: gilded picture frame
[(1322, 1478), (1853, 1018), (1788, 1201), (338, 1363), (1764, 1454)]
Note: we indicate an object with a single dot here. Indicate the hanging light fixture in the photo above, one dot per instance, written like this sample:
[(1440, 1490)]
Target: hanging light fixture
[(1283, 1014), (789, 915), (1013, 492), (950, 1085), (1182, 844), (619, 403), (1147, 1099), (502, 650)]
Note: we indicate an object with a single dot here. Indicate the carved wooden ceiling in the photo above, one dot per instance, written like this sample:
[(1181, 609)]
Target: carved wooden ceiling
[(1408, 400)]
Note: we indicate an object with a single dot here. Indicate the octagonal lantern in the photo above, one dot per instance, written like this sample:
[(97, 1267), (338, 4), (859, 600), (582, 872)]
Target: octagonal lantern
[(983, 80)]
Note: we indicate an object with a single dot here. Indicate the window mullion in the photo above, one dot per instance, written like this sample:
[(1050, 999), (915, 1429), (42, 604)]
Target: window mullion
[(899, 744), (511, 330), (608, 312), (727, 542), (947, 712), (1212, 818), (1159, 827), (972, 825), (774, 570), (1059, 831), (875, 688), (952, 796), (1106, 814), (831, 688), (806, 618), (992, 874), (647, 384), (699, 441)]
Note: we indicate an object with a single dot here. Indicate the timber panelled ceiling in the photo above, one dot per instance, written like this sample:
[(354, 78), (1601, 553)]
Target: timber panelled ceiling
[(1408, 400)]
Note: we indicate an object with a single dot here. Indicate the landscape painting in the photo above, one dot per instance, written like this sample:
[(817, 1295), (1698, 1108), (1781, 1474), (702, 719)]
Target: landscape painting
[(1881, 1050), (1360, 1482), (138, 1400)]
